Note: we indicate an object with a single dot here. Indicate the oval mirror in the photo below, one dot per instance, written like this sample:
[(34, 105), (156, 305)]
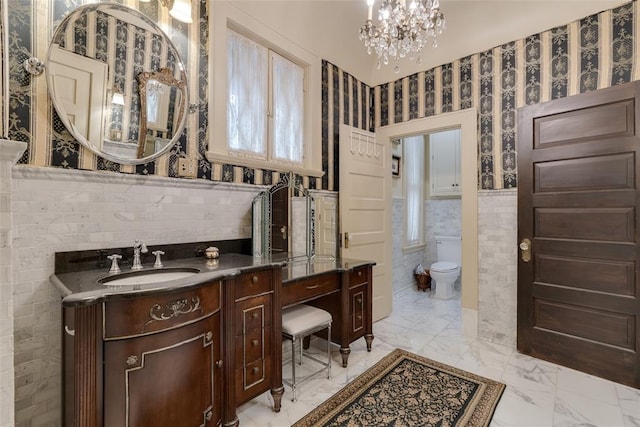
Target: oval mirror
[(117, 83)]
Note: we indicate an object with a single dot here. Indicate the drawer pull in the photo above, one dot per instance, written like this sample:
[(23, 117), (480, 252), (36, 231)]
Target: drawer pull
[(255, 370), (219, 364), (71, 332), (255, 343), (209, 415), (313, 287), (359, 273), (254, 315), (254, 279), (359, 300), (358, 317)]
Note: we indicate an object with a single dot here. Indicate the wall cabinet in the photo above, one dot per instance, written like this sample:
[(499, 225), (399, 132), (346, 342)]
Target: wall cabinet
[(444, 164)]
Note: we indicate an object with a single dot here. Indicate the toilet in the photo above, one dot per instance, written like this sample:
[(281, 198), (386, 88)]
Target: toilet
[(445, 271)]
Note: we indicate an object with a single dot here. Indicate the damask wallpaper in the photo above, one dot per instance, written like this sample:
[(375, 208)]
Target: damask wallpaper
[(592, 53)]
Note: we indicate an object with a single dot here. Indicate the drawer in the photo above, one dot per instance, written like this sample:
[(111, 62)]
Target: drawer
[(255, 345), (253, 313), (305, 289), (153, 313), (357, 301), (358, 276), (254, 283), (253, 380)]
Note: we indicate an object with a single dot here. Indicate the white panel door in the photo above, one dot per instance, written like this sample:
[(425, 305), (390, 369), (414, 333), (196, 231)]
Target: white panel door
[(80, 84), (365, 221)]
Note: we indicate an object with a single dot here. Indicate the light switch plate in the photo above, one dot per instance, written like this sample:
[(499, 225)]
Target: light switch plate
[(187, 167)]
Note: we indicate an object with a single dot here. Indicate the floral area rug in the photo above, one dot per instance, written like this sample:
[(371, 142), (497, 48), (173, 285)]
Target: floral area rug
[(404, 389)]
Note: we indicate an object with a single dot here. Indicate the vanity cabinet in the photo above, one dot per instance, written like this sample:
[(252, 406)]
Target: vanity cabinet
[(145, 360), (359, 304), (444, 164), (346, 295), (252, 338), (166, 379)]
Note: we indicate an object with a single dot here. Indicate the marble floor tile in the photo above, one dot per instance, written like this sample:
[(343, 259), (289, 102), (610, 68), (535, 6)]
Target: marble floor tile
[(538, 393)]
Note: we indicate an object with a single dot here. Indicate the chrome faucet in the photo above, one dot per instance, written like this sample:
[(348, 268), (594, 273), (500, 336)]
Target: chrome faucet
[(138, 248)]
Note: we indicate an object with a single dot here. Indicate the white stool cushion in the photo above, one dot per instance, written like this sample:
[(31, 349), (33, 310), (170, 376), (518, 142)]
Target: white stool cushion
[(300, 318)]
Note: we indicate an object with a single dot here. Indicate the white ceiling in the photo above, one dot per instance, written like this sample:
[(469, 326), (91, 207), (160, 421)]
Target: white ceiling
[(329, 28)]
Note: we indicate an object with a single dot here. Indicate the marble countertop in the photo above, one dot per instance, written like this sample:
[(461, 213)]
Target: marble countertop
[(84, 287)]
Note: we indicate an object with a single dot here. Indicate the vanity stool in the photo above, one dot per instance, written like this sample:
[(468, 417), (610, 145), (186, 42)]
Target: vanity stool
[(300, 321)]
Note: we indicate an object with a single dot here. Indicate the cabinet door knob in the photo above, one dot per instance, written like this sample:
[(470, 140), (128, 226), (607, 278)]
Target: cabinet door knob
[(255, 342), (254, 315), (219, 364), (254, 279), (359, 273), (255, 370), (359, 300)]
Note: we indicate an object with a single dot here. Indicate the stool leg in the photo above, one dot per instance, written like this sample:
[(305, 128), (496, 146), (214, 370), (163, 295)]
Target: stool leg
[(301, 345), (293, 368), (329, 351)]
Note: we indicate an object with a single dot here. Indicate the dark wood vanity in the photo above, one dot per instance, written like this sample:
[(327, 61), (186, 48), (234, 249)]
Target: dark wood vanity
[(191, 353)]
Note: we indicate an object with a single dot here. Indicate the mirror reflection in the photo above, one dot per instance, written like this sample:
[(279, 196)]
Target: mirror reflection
[(162, 103), (117, 83), (284, 220)]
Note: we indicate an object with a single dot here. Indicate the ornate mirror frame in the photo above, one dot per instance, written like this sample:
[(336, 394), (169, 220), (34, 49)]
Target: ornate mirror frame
[(165, 77)]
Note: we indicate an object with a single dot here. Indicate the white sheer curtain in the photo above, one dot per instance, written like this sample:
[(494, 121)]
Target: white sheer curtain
[(247, 76), (288, 107), (414, 165)]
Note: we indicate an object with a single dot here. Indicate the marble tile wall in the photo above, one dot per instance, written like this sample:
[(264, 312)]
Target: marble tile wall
[(403, 264), (60, 210), (498, 266), (443, 217), (9, 153)]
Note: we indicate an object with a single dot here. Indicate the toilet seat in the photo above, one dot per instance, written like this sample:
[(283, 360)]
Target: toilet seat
[(444, 266)]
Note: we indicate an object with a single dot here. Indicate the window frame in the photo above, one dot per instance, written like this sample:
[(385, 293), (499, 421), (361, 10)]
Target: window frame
[(408, 246), (227, 16)]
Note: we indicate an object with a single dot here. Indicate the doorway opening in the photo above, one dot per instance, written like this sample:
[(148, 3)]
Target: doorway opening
[(466, 121)]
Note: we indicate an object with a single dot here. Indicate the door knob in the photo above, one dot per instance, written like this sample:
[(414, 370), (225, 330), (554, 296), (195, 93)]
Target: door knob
[(525, 250)]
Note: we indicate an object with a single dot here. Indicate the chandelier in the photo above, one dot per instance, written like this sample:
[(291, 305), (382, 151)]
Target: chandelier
[(402, 31)]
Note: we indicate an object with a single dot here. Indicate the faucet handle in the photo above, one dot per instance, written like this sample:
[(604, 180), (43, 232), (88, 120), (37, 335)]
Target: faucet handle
[(115, 268), (158, 263)]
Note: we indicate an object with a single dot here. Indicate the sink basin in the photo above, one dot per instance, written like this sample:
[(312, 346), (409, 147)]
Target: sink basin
[(149, 276)]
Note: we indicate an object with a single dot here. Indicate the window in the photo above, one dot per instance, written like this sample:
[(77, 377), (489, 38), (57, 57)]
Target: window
[(414, 166), (265, 106), (291, 81)]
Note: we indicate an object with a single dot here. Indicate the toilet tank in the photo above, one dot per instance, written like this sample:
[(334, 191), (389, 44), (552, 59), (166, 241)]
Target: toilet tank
[(449, 249)]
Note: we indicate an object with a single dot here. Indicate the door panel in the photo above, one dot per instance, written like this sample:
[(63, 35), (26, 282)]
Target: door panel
[(578, 295), (365, 192)]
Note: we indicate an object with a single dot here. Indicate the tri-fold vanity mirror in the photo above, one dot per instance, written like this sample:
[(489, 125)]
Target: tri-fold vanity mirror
[(117, 83), (284, 221)]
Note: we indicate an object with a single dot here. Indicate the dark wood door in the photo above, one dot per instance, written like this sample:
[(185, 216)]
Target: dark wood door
[(578, 199)]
